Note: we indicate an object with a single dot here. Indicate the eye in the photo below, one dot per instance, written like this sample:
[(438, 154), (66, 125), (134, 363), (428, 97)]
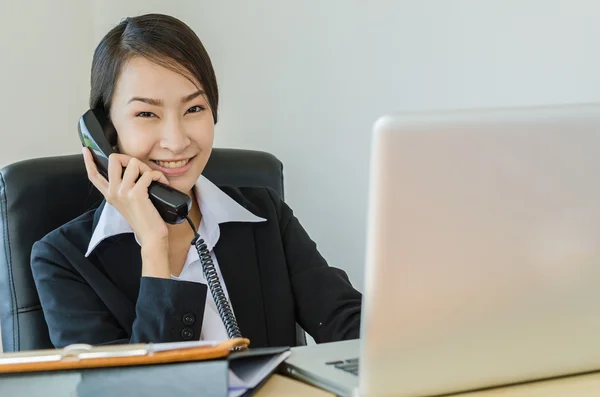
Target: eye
[(195, 109), (146, 114)]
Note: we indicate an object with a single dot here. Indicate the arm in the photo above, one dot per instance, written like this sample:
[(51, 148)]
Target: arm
[(327, 305), (76, 313)]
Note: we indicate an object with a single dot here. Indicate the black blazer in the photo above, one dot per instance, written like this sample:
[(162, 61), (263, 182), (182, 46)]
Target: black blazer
[(274, 274)]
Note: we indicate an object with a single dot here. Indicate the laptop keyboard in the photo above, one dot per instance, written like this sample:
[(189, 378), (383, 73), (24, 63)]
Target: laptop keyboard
[(350, 365)]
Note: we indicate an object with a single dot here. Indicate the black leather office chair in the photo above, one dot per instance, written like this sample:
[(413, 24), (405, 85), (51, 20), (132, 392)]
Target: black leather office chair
[(39, 195)]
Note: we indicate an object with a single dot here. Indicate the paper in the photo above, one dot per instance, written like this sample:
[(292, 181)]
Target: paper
[(237, 386), (248, 373), (160, 347)]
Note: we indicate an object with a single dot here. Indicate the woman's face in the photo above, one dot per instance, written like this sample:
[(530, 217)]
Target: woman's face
[(164, 120)]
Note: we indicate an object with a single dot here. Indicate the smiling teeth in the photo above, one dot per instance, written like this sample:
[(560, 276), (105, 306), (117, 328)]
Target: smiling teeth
[(172, 164)]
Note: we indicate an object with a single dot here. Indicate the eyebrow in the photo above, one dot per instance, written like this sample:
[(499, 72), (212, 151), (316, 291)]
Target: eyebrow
[(159, 102)]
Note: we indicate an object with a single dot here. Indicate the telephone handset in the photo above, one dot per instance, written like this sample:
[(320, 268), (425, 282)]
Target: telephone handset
[(172, 205)]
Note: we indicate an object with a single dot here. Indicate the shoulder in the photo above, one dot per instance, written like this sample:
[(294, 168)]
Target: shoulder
[(262, 201), (72, 237)]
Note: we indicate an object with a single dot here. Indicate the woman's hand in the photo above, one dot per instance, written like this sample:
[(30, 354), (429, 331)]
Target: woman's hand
[(129, 195)]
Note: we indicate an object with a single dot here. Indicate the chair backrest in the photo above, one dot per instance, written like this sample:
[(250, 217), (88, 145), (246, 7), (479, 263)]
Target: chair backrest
[(39, 195)]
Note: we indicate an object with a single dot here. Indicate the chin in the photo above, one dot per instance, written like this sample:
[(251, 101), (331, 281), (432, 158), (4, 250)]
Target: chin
[(182, 186), (185, 182)]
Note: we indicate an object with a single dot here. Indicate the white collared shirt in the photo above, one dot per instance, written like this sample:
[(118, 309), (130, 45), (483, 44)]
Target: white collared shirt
[(216, 208)]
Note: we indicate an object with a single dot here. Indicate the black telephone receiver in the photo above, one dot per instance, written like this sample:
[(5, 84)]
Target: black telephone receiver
[(172, 205)]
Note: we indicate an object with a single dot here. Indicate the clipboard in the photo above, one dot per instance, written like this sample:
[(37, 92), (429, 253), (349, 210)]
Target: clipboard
[(81, 356)]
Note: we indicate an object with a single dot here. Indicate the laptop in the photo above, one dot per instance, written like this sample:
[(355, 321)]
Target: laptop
[(483, 255)]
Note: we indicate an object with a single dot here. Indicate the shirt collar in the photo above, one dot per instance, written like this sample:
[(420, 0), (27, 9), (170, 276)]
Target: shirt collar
[(215, 205)]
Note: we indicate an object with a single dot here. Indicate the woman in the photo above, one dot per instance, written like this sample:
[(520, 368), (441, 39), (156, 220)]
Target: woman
[(120, 274)]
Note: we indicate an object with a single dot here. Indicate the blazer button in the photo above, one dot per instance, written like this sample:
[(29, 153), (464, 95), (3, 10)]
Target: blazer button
[(189, 319), (187, 333)]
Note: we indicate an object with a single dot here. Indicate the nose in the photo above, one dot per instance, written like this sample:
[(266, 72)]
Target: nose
[(174, 136)]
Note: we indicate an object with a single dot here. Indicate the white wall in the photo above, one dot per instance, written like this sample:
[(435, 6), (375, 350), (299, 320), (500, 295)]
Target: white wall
[(306, 80), (108, 13), (45, 49)]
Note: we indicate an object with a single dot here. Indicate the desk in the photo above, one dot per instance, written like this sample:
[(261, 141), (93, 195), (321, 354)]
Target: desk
[(279, 385), (573, 386)]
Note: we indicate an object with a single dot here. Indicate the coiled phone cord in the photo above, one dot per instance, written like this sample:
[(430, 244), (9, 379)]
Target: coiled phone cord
[(216, 290)]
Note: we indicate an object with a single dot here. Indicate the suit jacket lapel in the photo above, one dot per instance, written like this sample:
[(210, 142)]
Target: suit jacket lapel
[(236, 255), (119, 257)]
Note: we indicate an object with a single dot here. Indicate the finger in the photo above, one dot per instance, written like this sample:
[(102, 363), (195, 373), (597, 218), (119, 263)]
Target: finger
[(131, 175), (123, 159), (92, 172), (143, 167), (115, 172), (160, 177), (141, 187)]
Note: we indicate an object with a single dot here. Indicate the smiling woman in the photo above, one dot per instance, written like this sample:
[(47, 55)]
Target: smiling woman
[(120, 274)]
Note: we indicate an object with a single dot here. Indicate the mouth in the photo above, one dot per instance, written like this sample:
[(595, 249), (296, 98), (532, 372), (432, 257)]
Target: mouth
[(173, 167)]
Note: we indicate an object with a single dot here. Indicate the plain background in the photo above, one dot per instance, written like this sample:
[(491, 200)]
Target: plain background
[(307, 80)]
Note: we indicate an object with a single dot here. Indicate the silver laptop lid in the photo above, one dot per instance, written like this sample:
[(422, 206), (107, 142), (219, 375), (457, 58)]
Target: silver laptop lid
[(483, 252)]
